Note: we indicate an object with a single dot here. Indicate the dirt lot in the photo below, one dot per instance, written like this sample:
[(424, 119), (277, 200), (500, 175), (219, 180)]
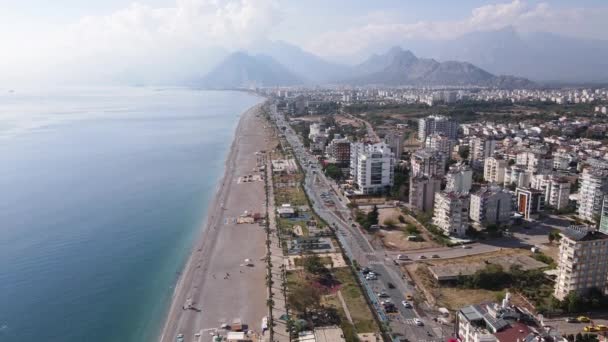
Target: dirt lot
[(396, 238), (449, 297), (343, 120)]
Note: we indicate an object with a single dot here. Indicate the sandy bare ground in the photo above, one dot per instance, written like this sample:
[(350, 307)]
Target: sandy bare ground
[(222, 248)]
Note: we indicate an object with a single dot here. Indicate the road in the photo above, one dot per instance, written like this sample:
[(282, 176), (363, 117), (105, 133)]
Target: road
[(330, 206)]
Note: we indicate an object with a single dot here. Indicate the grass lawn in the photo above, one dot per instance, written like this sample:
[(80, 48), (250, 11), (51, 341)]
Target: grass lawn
[(325, 260), (455, 298), (359, 310), (292, 195)]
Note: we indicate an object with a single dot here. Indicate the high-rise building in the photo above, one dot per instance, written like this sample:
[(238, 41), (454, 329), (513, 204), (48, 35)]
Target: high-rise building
[(339, 150), (459, 178), (480, 149), (494, 170), (394, 139), (451, 213), (593, 188), (371, 167), (557, 189), (427, 162), (422, 192), (583, 261), (517, 174), (440, 143), (437, 124), (529, 202), (491, 205), (604, 217)]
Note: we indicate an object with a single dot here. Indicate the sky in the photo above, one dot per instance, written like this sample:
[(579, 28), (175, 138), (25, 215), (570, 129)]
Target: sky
[(114, 40)]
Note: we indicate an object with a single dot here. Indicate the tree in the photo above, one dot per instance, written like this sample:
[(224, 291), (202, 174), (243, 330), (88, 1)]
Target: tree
[(464, 153), (372, 216), (313, 265), (303, 298), (554, 235), (334, 172)]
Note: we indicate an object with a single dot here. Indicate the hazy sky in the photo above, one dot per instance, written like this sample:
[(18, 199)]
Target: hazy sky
[(106, 38)]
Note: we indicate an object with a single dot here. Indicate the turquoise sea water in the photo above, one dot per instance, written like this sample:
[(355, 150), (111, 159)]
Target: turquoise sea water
[(102, 193)]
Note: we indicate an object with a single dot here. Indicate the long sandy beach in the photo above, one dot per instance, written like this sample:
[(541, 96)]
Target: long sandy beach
[(215, 280)]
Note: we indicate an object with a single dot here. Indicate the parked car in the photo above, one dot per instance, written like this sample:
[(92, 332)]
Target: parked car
[(591, 328), (383, 295), (571, 320), (390, 285), (583, 319), (406, 304), (402, 257), (180, 338), (418, 322)]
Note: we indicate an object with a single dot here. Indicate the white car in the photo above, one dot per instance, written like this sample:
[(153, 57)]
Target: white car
[(180, 338), (418, 322), (406, 304)]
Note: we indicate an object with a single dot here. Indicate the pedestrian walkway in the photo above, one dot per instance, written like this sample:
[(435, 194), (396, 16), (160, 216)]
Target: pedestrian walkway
[(281, 332)]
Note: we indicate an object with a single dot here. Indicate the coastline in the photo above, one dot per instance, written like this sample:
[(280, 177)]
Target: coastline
[(218, 247)]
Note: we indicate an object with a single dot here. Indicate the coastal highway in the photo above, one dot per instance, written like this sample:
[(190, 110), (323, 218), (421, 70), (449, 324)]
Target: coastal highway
[(330, 205)]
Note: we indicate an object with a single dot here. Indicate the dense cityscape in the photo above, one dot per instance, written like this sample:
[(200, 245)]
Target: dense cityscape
[(510, 213)]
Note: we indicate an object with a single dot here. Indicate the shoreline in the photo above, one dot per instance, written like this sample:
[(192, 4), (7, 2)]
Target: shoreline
[(193, 279)]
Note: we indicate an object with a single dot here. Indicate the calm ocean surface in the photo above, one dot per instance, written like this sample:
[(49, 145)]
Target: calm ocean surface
[(102, 192)]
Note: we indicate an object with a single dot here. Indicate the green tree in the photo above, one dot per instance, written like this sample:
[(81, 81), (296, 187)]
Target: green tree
[(372, 216), (303, 298), (464, 153), (334, 172), (312, 264)]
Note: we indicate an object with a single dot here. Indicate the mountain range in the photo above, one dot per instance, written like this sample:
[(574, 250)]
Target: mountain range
[(290, 65)]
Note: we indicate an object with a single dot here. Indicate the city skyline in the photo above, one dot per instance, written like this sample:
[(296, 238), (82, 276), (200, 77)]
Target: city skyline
[(40, 40)]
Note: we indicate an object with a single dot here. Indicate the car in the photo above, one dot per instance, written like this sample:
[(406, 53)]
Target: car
[(180, 338), (571, 320), (583, 319), (406, 304), (466, 247), (402, 257), (591, 328), (366, 270), (383, 295), (601, 327), (409, 297), (390, 285), (418, 322), (422, 257), (435, 256)]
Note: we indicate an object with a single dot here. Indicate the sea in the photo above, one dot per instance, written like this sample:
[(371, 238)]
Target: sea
[(103, 192)]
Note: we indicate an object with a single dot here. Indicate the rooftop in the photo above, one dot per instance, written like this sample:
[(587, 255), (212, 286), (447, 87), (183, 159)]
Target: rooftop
[(583, 233)]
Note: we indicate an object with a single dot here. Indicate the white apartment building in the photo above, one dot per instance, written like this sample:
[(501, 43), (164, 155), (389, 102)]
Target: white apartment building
[(583, 261), (437, 124), (604, 217), (372, 167), (518, 175), (428, 163), (535, 162), (494, 170), (593, 187), (422, 192), (459, 178), (440, 143), (394, 139), (491, 205), (481, 148), (557, 189), (451, 213)]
